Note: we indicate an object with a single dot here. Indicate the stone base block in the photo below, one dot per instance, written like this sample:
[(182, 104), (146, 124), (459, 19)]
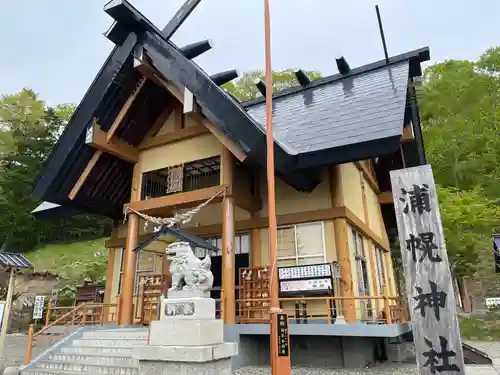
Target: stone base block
[(195, 293), (187, 308), (220, 367), (207, 353), (183, 332)]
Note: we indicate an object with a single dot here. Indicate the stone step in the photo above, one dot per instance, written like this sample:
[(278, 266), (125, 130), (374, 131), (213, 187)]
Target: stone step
[(87, 368), (128, 343), (42, 371), (94, 350), (116, 334), (97, 358)]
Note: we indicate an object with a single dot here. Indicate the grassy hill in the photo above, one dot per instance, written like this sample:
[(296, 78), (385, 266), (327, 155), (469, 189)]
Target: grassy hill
[(74, 261)]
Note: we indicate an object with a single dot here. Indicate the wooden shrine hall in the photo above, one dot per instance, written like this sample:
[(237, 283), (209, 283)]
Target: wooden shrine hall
[(156, 135)]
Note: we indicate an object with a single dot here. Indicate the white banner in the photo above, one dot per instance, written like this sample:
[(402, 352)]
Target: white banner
[(38, 307)]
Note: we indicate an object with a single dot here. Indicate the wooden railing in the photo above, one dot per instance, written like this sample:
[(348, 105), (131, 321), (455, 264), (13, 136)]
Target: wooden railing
[(85, 314), (369, 309)]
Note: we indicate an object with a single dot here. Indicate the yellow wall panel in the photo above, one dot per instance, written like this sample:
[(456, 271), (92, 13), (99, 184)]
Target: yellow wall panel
[(373, 210), (168, 125), (289, 200), (184, 151), (212, 214), (351, 188)]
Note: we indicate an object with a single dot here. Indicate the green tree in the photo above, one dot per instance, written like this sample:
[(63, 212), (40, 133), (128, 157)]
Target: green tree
[(28, 132), (460, 117), (461, 121), (468, 217), (29, 128), (244, 87)]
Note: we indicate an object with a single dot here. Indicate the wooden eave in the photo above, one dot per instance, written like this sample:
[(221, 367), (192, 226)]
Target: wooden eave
[(190, 108), (98, 139)]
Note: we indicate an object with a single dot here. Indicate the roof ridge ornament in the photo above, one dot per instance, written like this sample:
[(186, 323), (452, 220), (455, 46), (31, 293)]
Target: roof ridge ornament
[(302, 78), (179, 17)]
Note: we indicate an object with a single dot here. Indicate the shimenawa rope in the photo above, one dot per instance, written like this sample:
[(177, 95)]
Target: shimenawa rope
[(178, 218)]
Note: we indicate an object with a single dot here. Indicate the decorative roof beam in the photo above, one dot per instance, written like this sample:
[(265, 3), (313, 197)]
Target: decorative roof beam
[(178, 19), (116, 33), (231, 145), (408, 134), (189, 104), (121, 115), (97, 138), (302, 78), (196, 49), (342, 65), (225, 77), (385, 197), (85, 174), (141, 63), (261, 86)]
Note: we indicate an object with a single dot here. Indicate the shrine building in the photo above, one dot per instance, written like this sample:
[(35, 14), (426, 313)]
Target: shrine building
[(156, 135)]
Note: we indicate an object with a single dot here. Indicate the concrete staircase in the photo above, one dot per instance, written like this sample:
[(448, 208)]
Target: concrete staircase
[(98, 351)]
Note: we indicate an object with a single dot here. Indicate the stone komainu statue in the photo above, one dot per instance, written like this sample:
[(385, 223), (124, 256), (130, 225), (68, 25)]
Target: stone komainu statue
[(188, 272)]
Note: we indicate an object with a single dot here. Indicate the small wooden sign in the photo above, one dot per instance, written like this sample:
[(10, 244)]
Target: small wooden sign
[(429, 287), (283, 344)]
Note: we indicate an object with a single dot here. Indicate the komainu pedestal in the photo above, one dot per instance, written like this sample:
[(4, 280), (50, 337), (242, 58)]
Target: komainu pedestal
[(187, 339)]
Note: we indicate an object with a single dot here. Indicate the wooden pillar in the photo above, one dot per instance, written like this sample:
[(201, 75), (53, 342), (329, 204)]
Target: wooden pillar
[(228, 235), (373, 269), (255, 255), (255, 260), (342, 246), (108, 289), (129, 257), (343, 255), (389, 273), (363, 197)]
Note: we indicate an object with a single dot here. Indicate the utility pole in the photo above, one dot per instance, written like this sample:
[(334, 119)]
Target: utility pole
[(279, 344)]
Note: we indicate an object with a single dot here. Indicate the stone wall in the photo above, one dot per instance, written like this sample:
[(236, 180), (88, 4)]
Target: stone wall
[(28, 285)]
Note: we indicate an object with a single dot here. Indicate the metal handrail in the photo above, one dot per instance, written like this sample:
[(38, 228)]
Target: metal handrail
[(32, 335), (60, 319)]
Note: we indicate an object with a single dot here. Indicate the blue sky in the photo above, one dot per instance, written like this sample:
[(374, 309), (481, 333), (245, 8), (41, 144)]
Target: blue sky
[(56, 46)]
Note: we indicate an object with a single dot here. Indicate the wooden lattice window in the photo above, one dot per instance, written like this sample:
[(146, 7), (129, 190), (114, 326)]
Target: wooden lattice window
[(175, 177)]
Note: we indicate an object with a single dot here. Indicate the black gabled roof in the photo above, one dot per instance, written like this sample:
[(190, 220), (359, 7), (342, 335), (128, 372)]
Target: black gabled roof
[(194, 240), (336, 97), (336, 113), (343, 117)]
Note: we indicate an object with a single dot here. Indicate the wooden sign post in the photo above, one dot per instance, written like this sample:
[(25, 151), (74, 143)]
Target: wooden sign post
[(427, 272)]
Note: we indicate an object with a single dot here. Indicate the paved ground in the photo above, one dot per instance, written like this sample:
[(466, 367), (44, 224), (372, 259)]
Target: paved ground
[(491, 348), (15, 348), (381, 369), (385, 369)]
